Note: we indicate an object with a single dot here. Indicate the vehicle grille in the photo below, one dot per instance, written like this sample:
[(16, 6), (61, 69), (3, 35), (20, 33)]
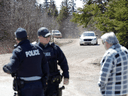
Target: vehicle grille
[(57, 34), (87, 39)]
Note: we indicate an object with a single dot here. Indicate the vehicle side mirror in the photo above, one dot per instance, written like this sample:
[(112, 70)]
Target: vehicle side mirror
[(96, 35)]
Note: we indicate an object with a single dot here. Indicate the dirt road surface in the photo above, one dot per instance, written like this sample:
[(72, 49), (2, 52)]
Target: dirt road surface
[(83, 67)]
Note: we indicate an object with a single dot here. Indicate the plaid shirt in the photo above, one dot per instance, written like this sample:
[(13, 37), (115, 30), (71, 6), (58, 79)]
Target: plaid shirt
[(113, 79)]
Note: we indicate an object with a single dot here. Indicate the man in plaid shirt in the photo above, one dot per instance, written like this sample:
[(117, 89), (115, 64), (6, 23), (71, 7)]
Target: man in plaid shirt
[(113, 80)]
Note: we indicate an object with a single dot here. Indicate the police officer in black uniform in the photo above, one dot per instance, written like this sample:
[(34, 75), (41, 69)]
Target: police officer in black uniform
[(27, 66), (55, 57)]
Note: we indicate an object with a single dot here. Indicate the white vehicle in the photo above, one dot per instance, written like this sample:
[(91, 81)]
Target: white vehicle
[(56, 34), (88, 37)]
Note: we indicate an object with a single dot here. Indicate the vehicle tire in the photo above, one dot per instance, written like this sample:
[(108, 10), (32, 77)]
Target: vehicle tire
[(96, 43), (81, 44)]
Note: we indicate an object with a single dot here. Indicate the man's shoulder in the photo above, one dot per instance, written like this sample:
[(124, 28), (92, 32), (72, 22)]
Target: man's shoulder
[(17, 49), (110, 52), (53, 45), (124, 48), (37, 46)]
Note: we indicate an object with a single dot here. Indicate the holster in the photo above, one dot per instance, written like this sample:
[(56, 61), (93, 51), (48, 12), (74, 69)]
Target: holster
[(60, 91), (18, 84), (56, 79)]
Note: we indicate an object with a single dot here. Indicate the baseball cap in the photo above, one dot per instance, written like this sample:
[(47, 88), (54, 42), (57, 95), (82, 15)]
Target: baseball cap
[(43, 31), (21, 33)]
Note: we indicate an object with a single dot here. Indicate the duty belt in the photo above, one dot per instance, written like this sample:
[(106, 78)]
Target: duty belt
[(33, 78)]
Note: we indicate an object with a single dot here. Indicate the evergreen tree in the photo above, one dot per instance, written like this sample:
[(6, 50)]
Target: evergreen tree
[(109, 16), (86, 15), (52, 10), (64, 13), (115, 19)]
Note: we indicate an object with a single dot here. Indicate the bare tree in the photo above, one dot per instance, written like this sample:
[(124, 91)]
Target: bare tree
[(21, 13)]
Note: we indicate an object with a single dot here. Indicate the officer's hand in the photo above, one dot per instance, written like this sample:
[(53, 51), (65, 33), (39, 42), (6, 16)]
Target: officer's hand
[(5, 69), (66, 81)]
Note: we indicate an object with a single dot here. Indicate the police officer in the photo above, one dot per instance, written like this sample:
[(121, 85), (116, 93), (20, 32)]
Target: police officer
[(55, 57), (28, 65)]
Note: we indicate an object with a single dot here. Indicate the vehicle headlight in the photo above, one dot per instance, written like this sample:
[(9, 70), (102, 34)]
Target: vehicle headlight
[(81, 39), (94, 39)]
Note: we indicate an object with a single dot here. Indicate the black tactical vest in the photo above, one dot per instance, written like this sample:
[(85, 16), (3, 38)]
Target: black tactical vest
[(51, 54)]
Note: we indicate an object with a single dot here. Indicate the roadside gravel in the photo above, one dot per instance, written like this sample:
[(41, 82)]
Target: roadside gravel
[(84, 68)]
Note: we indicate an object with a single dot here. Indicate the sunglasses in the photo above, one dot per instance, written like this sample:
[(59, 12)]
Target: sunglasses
[(47, 36)]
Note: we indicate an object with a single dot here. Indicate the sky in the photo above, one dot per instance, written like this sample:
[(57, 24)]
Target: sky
[(79, 3)]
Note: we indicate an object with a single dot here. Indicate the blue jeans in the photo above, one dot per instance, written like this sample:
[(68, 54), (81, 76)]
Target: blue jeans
[(33, 88)]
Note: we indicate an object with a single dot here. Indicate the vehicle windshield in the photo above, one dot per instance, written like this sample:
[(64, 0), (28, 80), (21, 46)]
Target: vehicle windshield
[(88, 34), (56, 32)]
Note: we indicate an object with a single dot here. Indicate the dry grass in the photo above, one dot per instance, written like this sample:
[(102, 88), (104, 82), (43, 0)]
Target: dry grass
[(6, 47)]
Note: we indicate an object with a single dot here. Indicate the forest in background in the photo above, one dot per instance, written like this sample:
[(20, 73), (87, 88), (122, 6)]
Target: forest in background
[(25, 14), (97, 15), (107, 16)]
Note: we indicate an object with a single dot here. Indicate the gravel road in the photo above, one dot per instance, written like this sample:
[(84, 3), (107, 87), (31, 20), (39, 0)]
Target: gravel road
[(83, 67)]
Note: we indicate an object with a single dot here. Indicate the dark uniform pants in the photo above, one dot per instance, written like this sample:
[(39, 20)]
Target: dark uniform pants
[(52, 89), (32, 88)]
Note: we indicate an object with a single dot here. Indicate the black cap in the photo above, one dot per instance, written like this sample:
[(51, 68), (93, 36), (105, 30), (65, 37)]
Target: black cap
[(43, 31), (20, 33)]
